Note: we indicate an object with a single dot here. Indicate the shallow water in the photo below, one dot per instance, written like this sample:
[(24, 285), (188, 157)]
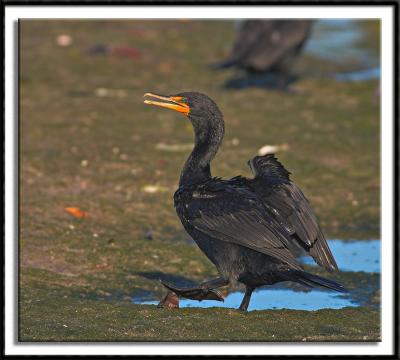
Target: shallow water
[(350, 255), (362, 75), (362, 255), (338, 40), (275, 299)]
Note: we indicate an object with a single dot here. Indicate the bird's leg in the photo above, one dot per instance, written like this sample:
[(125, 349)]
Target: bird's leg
[(246, 299), (204, 291)]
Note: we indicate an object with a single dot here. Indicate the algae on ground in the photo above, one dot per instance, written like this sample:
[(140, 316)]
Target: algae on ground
[(50, 317)]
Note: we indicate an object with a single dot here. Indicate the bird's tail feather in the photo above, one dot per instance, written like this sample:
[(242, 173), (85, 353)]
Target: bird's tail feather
[(311, 280)]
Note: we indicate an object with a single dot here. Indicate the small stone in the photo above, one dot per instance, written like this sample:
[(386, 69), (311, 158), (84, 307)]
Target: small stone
[(64, 40), (95, 235), (72, 227), (113, 93), (123, 157), (115, 150), (174, 147), (84, 163), (267, 149), (235, 141), (354, 203), (152, 189), (101, 92), (271, 149), (65, 325)]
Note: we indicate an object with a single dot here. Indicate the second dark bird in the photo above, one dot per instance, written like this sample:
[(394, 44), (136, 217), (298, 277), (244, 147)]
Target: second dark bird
[(265, 50)]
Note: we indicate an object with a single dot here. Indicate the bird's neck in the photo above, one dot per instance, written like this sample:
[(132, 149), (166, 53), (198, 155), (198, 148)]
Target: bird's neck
[(207, 141)]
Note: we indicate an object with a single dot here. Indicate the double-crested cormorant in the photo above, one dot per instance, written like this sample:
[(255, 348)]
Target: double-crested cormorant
[(266, 47), (248, 228)]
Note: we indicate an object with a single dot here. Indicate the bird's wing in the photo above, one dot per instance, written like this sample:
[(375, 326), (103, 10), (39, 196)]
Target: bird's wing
[(290, 207), (234, 214)]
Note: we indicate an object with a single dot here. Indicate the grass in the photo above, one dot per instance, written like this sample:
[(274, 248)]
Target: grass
[(96, 149), (126, 322)]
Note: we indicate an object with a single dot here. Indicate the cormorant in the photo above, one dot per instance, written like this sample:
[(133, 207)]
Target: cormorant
[(248, 228), (266, 50)]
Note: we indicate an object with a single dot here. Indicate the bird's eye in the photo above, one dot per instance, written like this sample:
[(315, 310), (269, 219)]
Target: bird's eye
[(183, 100)]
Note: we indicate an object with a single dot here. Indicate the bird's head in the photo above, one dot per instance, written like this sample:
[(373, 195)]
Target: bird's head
[(207, 121), (198, 107)]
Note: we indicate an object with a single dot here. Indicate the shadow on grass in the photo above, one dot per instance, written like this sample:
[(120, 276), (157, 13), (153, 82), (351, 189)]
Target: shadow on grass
[(175, 279)]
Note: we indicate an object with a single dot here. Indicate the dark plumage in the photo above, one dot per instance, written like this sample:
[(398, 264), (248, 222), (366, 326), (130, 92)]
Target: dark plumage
[(248, 228), (267, 47)]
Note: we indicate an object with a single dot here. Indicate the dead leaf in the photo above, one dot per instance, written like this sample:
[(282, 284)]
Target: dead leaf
[(76, 212)]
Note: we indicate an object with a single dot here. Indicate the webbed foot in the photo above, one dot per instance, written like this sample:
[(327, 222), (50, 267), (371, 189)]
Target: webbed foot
[(194, 293)]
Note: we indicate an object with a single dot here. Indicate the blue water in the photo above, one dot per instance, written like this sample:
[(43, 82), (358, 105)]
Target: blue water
[(354, 255), (275, 299), (350, 256), (337, 39), (362, 75)]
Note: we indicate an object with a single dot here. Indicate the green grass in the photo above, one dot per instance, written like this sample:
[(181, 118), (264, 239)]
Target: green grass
[(98, 153), (106, 321)]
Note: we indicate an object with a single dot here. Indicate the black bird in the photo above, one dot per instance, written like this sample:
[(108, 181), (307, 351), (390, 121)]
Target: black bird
[(248, 228), (266, 50)]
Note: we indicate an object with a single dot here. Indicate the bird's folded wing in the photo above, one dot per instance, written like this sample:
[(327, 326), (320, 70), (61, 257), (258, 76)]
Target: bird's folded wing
[(236, 216), (303, 222), (291, 208)]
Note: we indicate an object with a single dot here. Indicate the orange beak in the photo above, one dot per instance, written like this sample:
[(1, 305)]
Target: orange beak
[(173, 102)]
